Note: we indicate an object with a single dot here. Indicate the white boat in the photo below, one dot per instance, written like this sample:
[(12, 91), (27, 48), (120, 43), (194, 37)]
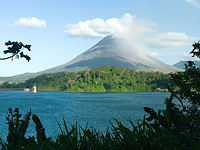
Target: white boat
[(34, 89)]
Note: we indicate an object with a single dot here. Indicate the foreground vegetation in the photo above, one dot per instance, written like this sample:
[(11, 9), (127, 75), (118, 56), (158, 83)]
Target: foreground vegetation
[(101, 79), (175, 128)]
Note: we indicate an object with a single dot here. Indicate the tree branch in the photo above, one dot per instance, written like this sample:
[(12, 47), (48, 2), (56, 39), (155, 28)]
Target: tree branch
[(7, 57), (16, 48)]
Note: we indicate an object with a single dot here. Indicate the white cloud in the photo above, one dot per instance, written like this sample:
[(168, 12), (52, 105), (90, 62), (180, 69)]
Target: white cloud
[(31, 22), (169, 39), (100, 28), (138, 31), (194, 3), (157, 54)]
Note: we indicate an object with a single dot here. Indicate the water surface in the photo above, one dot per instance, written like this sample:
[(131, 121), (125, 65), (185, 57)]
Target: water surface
[(92, 109)]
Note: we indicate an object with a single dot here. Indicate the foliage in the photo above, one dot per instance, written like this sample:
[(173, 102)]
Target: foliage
[(163, 130), (15, 49), (188, 81), (17, 127), (101, 79), (181, 123)]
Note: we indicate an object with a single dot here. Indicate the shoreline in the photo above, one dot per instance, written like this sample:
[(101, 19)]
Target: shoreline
[(108, 91), (12, 89)]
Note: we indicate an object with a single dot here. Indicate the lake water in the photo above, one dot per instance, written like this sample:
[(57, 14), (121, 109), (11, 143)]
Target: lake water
[(93, 109)]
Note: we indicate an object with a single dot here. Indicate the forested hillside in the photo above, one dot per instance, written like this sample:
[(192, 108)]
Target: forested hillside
[(102, 79)]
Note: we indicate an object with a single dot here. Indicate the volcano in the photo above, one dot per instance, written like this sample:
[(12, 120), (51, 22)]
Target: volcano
[(113, 51)]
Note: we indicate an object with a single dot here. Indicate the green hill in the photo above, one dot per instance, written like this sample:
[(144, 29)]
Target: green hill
[(101, 79)]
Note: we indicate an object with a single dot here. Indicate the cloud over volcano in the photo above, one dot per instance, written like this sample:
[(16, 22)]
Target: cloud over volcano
[(140, 31)]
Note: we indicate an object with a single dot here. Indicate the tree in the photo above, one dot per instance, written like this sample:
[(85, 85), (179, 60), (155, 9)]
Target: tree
[(180, 122), (189, 80), (15, 49)]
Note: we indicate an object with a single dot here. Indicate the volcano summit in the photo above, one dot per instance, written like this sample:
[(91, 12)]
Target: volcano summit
[(114, 52)]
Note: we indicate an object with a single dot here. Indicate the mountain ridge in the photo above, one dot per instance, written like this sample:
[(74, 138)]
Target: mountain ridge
[(181, 64)]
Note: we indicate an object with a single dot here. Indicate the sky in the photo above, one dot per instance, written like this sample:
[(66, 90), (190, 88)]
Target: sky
[(59, 30)]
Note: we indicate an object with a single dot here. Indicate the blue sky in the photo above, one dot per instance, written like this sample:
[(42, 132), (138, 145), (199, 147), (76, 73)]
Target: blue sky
[(60, 30)]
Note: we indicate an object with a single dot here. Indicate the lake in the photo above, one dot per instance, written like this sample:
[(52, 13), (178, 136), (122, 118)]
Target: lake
[(93, 109)]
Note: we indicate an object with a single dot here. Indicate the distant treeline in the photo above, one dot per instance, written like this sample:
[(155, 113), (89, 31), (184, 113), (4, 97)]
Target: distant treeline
[(101, 79)]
